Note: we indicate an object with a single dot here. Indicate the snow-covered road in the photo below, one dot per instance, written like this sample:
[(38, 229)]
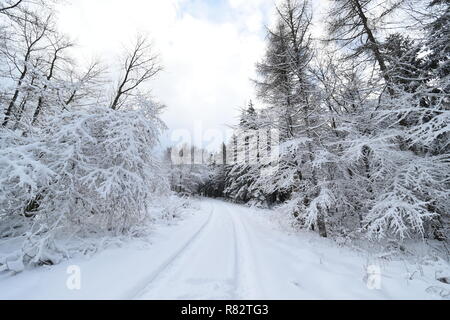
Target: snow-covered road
[(226, 251), (232, 256)]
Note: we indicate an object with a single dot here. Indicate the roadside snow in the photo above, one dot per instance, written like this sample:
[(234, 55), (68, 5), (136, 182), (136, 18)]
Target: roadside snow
[(227, 251), (115, 273)]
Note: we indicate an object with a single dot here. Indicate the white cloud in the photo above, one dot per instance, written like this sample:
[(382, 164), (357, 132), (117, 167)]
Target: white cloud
[(208, 49), (207, 64)]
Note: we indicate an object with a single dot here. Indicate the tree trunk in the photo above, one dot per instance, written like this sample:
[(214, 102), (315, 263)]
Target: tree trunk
[(321, 225), (374, 45)]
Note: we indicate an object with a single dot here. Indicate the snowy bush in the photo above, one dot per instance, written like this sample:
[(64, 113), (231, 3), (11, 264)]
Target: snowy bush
[(23, 177), (107, 172), (412, 196), (89, 172), (77, 159)]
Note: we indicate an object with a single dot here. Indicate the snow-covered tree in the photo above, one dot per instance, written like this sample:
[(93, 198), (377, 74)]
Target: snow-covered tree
[(364, 131), (286, 71), (88, 172), (69, 163), (139, 65)]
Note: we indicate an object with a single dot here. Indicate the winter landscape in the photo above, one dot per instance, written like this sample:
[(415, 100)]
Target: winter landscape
[(225, 149)]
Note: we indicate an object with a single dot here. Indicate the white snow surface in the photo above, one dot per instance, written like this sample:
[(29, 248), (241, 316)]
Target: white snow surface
[(227, 251)]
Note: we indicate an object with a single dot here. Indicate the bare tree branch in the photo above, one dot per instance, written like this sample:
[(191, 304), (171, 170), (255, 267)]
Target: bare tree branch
[(10, 5), (139, 66)]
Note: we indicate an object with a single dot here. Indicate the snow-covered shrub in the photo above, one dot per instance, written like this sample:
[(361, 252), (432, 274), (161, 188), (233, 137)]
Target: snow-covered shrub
[(400, 193), (88, 172), (171, 208), (412, 196), (23, 177), (188, 180), (107, 173)]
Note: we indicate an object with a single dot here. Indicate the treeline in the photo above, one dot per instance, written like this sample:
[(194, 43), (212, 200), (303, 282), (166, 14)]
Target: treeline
[(76, 141), (362, 117)]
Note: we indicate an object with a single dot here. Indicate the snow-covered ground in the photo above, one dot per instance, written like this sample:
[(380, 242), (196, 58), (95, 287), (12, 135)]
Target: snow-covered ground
[(227, 251)]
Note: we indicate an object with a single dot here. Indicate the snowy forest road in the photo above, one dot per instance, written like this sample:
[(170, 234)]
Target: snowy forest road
[(230, 252), (232, 256), (237, 254)]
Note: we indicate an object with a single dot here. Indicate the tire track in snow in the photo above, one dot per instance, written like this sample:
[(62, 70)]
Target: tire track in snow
[(267, 237), (254, 237), (245, 268), (237, 273), (140, 289)]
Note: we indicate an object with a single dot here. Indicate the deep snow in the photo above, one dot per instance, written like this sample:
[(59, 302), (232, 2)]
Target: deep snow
[(227, 251)]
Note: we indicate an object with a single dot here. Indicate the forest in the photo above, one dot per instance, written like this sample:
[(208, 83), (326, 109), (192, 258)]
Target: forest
[(347, 136), (361, 120)]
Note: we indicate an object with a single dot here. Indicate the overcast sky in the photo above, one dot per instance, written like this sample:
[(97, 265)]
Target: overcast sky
[(208, 49)]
